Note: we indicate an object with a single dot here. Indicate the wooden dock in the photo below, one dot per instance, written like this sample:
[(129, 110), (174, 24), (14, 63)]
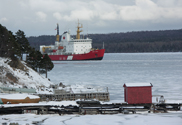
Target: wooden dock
[(101, 96), (90, 107)]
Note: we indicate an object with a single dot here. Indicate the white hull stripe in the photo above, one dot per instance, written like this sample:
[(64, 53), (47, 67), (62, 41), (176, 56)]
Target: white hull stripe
[(69, 57)]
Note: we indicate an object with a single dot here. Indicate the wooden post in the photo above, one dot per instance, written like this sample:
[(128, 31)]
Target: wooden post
[(46, 70)]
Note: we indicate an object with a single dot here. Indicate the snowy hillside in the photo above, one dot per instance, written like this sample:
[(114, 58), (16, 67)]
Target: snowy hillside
[(22, 77), (25, 77)]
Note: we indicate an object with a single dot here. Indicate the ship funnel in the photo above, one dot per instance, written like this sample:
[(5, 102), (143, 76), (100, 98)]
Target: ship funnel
[(57, 35)]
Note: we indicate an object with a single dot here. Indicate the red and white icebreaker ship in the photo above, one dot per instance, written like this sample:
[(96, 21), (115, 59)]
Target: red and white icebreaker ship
[(72, 49)]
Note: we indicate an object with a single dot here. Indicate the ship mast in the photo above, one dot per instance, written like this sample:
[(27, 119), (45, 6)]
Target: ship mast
[(78, 30), (57, 35)]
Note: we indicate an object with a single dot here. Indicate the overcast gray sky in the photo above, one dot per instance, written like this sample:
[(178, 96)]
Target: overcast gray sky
[(39, 17)]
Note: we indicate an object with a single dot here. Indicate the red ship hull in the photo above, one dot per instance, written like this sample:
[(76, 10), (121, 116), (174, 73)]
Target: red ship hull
[(92, 55)]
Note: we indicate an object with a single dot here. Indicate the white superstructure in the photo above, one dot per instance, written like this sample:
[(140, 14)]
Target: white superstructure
[(68, 45)]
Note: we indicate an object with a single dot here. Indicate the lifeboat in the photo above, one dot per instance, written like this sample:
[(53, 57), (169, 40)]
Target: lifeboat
[(18, 98), (60, 47), (54, 50)]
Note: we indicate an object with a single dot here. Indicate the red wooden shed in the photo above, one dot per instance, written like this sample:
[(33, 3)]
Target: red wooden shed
[(138, 93)]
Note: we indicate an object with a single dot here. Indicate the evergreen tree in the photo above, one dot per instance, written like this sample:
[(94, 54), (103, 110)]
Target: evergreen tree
[(8, 45), (4, 37), (34, 59), (38, 62), (39, 58), (14, 47), (23, 42), (46, 64), (31, 59)]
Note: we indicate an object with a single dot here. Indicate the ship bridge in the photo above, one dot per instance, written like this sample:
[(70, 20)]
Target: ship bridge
[(81, 40)]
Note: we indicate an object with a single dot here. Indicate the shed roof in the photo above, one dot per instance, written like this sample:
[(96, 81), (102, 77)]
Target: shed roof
[(137, 84)]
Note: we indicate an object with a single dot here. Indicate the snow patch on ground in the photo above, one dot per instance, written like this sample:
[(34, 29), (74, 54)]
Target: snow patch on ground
[(17, 96), (78, 88), (28, 78), (116, 119)]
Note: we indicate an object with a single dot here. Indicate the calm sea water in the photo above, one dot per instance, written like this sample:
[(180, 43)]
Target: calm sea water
[(163, 70)]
